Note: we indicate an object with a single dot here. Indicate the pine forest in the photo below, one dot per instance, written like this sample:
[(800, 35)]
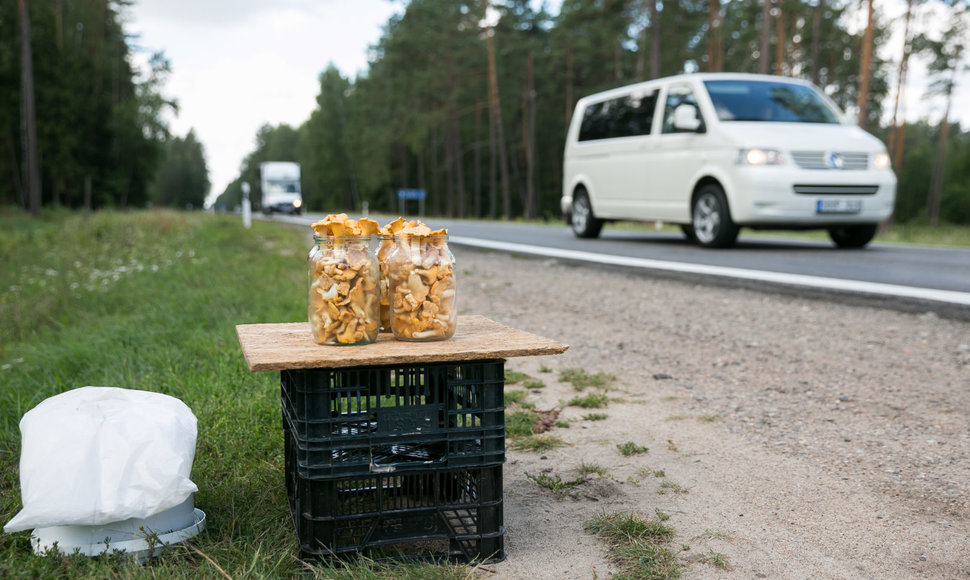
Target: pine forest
[(467, 99)]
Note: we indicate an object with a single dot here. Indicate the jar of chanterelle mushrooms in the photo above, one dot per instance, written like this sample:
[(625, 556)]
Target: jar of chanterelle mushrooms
[(421, 286)]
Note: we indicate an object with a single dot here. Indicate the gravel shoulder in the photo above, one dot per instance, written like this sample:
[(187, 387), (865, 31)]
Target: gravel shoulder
[(798, 438)]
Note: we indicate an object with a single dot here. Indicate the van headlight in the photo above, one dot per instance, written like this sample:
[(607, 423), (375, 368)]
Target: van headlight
[(297, 203), (760, 157), (881, 161)]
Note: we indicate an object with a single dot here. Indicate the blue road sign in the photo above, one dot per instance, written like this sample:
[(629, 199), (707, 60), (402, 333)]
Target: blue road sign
[(408, 194)]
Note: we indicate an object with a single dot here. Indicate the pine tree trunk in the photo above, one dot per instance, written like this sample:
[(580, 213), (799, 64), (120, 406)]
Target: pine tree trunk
[(495, 115), (435, 192), (529, 134), (569, 81), (935, 197), (895, 140), (780, 42), (816, 39), (898, 154), (31, 159), (865, 72), (640, 67), (477, 163), (422, 178), (713, 35), (459, 166), (763, 59), (654, 40), (451, 154)]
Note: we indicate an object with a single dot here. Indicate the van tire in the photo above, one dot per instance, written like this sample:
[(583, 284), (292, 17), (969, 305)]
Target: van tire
[(711, 218), (584, 222), (853, 236), (689, 232)]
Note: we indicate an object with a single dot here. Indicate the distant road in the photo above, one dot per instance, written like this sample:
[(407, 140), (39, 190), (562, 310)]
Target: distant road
[(911, 277)]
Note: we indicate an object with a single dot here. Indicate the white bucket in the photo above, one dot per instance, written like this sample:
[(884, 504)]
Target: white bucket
[(140, 538)]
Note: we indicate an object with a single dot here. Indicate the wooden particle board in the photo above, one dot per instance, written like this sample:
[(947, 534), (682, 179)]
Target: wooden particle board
[(287, 346)]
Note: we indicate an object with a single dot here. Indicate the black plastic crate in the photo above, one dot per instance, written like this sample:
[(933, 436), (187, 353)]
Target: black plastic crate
[(453, 513), (392, 418)]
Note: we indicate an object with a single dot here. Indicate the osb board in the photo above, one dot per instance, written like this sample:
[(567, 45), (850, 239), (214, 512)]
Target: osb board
[(284, 346)]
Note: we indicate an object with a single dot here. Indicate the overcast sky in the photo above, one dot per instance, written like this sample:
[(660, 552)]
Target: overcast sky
[(238, 64)]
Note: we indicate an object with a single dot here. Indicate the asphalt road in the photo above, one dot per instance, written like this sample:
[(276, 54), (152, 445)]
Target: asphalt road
[(895, 275)]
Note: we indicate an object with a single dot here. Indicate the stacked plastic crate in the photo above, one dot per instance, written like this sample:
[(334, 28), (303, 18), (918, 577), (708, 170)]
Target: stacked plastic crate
[(397, 460)]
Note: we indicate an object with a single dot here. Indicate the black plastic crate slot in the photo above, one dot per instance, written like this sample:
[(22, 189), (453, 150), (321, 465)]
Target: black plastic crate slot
[(406, 511), (332, 498), (359, 421), (348, 456)]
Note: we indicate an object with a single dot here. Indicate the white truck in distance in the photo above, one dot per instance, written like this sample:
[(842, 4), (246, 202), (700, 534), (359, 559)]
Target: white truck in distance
[(280, 186)]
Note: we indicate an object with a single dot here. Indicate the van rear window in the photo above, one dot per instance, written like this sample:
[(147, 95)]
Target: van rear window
[(778, 102), (627, 116)]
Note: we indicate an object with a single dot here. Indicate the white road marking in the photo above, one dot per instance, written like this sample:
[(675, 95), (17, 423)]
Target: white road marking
[(947, 296)]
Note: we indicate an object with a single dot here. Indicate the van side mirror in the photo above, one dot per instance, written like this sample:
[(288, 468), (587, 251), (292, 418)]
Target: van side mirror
[(685, 118)]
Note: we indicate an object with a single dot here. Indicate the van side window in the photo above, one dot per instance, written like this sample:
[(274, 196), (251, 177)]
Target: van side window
[(596, 122), (627, 116), (677, 96)]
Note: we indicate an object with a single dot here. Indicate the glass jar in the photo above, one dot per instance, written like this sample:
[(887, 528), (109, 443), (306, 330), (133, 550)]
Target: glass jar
[(421, 287), (388, 246), (344, 296)]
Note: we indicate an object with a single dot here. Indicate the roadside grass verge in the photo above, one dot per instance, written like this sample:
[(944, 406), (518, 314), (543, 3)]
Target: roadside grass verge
[(556, 484), (639, 547), (537, 443), (150, 300), (580, 379), (914, 232), (590, 401)]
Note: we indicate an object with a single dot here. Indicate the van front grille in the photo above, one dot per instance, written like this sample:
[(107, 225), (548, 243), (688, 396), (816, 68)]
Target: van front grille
[(841, 160), (805, 189)]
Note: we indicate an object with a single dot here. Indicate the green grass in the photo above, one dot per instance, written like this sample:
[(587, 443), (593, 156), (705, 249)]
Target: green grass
[(921, 233), (149, 300), (715, 559), (519, 423), (914, 232), (588, 469), (590, 401), (580, 379), (512, 377), (515, 396), (639, 547), (538, 443), (556, 484), (630, 448), (671, 487)]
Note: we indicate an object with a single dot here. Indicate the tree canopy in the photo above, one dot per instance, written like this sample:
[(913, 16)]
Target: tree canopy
[(485, 136), (467, 99), (99, 124)]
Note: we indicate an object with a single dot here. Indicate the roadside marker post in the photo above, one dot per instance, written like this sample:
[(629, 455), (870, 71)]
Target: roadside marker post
[(247, 207), (406, 195)]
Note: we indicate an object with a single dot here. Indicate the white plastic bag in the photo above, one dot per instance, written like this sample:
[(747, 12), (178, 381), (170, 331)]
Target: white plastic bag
[(97, 455)]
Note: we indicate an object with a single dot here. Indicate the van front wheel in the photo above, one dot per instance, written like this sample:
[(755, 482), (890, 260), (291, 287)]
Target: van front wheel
[(856, 236), (711, 219), (585, 224)]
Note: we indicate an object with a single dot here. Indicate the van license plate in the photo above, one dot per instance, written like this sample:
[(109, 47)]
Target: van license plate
[(838, 206)]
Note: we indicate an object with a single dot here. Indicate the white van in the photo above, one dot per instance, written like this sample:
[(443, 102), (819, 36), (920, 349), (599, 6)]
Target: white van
[(714, 152)]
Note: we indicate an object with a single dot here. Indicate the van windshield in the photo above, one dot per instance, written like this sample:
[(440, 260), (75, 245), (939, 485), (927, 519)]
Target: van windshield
[(282, 187), (778, 102)]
